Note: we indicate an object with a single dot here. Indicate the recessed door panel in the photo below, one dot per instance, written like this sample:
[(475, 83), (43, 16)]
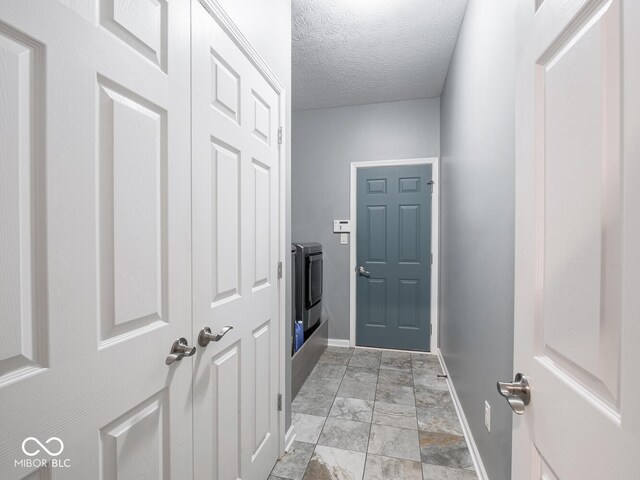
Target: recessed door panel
[(225, 222), (132, 204), (22, 342)]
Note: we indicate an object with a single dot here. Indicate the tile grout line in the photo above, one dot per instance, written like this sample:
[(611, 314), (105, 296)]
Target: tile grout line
[(328, 413), (373, 408)]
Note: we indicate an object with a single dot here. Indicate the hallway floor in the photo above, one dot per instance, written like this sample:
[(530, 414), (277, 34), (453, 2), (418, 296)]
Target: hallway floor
[(368, 414)]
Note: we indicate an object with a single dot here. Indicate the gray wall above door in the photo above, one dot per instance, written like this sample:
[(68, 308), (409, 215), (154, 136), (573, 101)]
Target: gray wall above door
[(477, 223), (324, 143)]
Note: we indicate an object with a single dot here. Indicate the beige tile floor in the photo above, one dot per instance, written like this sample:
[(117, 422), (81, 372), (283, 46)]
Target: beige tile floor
[(368, 414)]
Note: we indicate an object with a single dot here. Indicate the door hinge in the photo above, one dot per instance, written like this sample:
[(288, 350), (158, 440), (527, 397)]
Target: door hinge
[(279, 269), (279, 402), (432, 259), (431, 329), (431, 183), (280, 135)]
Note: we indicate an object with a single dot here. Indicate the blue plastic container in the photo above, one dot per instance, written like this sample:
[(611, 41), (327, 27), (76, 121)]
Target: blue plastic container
[(298, 338)]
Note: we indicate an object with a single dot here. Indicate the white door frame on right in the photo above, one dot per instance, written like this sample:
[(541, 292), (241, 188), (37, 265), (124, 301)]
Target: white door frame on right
[(435, 235), (577, 239)]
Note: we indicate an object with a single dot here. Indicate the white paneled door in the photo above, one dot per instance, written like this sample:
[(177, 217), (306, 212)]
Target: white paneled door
[(577, 302), (95, 264), (235, 254)]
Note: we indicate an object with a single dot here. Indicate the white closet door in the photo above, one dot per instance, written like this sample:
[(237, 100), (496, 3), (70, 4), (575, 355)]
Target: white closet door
[(235, 255), (95, 234), (577, 284)]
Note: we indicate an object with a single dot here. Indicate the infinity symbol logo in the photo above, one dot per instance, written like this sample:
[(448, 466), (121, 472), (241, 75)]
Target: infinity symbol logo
[(33, 439)]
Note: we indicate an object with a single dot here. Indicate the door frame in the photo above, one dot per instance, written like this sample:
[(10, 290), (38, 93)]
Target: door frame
[(235, 34), (435, 235)]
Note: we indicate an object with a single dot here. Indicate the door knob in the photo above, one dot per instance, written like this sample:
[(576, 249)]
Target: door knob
[(206, 336), (179, 350), (362, 272), (518, 393)]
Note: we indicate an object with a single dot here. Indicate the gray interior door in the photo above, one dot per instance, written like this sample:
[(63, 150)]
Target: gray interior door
[(393, 254)]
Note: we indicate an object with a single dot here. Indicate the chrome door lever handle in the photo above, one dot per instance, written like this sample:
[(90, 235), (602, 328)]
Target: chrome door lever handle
[(362, 272), (518, 393), (179, 350), (206, 336)]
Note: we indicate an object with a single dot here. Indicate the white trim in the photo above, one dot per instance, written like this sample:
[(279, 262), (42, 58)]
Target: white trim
[(468, 436), (289, 438), (222, 18), (338, 342), (435, 236)]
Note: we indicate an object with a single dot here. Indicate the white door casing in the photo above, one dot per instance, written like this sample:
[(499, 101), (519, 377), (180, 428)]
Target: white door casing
[(236, 208), (95, 265), (578, 239)]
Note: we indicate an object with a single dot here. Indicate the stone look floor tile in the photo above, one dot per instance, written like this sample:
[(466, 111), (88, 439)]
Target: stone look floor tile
[(395, 363), (387, 468), (394, 354), (395, 394), (307, 427), (367, 352), (439, 418), (294, 463), (395, 377), (361, 374), (444, 449), (426, 368), (328, 370), (394, 442), (312, 404), (429, 396), (335, 464), (345, 434), (354, 389), (369, 361), (430, 380), (436, 472), (391, 412), (336, 358), (395, 415), (352, 409), (321, 386)]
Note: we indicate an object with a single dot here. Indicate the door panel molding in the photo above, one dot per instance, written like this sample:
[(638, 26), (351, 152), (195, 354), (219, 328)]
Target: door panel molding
[(408, 184)]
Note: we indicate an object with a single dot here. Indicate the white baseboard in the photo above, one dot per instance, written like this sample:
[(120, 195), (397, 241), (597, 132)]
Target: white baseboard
[(338, 342), (468, 436), (289, 437)]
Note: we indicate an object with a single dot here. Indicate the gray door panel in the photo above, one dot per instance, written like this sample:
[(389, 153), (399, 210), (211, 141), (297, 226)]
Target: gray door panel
[(394, 246)]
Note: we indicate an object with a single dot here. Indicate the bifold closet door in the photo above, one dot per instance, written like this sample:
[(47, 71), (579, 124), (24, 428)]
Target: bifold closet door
[(95, 265), (235, 256)]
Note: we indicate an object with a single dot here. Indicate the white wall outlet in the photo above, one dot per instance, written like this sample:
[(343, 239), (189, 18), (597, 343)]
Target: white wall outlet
[(344, 239), (487, 416)]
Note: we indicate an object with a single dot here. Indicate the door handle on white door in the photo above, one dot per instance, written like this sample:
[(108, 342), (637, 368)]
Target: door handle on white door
[(206, 336), (362, 272), (518, 393), (179, 350)]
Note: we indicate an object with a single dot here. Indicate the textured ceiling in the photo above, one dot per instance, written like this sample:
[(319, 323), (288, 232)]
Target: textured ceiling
[(352, 52)]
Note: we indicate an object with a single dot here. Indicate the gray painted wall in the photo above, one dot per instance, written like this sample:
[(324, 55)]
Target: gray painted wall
[(324, 143), (267, 25), (477, 223)]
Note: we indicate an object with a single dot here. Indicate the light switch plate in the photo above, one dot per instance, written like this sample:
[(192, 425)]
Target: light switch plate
[(344, 239)]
